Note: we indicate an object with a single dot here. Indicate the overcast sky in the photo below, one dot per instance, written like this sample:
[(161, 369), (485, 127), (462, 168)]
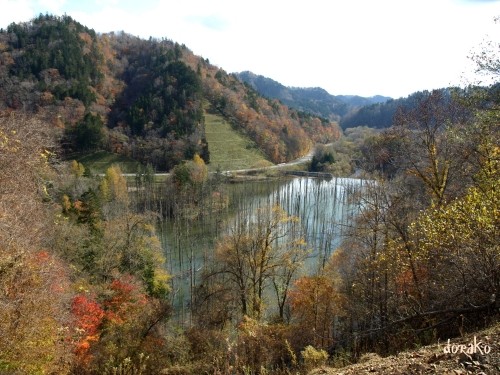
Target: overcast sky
[(361, 47)]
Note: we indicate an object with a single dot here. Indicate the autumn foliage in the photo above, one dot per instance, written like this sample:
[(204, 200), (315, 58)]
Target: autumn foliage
[(83, 281), (141, 98), (282, 133), (88, 316)]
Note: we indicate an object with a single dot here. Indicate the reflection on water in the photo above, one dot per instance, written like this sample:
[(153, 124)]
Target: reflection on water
[(323, 206)]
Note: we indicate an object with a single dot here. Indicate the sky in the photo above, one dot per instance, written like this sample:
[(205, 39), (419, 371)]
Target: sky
[(347, 47)]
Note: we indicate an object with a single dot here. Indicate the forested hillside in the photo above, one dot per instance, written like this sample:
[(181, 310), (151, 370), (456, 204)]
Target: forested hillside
[(312, 100), (349, 111), (381, 115), (85, 291), (141, 98), (103, 274)]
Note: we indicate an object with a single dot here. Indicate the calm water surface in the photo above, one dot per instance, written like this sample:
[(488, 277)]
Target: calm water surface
[(325, 209)]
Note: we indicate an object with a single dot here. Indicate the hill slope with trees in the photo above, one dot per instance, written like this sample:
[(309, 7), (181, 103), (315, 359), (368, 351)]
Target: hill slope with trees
[(349, 111), (144, 99), (314, 100), (84, 287), (381, 115)]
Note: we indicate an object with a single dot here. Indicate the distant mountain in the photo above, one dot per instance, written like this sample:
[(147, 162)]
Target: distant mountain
[(348, 110), (377, 115), (313, 100)]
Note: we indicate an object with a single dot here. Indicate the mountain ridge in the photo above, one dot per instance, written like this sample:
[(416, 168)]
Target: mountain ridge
[(315, 100)]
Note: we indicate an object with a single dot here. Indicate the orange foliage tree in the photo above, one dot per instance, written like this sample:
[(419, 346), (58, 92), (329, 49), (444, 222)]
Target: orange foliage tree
[(315, 304)]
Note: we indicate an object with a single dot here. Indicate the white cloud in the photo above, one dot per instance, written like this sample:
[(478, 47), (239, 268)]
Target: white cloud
[(364, 47), (52, 6), (15, 11)]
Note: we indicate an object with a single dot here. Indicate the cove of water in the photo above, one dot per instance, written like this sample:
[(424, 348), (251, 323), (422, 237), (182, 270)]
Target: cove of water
[(325, 209)]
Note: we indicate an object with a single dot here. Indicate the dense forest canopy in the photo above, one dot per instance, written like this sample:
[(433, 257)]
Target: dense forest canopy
[(144, 99)]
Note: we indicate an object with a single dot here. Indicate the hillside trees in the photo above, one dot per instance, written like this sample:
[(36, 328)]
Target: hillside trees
[(378, 154), (114, 239), (160, 107), (35, 282), (89, 133), (461, 239), (368, 264), (52, 66), (74, 58), (117, 262), (316, 303), (313, 100), (378, 115), (169, 102), (429, 150), (410, 265), (422, 260), (148, 93), (282, 133), (57, 53), (84, 286), (56, 66)]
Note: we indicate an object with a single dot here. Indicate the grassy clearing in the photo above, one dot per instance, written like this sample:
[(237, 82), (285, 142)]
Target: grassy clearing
[(99, 161), (229, 149)]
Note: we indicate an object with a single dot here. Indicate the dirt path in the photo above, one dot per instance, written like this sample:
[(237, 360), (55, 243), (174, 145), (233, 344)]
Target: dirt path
[(477, 353)]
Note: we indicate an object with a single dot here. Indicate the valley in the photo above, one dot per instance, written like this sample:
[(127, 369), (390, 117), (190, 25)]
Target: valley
[(159, 215)]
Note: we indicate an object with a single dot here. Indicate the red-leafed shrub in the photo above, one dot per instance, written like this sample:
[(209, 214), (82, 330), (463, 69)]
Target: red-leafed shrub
[(88, 316)]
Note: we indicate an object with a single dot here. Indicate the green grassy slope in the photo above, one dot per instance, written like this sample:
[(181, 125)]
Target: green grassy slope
[(99, 161), (229, 149)]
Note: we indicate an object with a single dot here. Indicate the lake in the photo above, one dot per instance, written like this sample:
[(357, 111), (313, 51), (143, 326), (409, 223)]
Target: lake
[(325, 208)]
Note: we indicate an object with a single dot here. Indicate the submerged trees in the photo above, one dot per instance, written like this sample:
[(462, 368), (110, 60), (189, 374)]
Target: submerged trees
[(257, 254)]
